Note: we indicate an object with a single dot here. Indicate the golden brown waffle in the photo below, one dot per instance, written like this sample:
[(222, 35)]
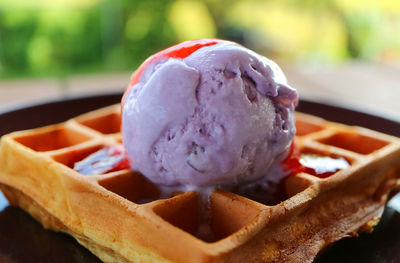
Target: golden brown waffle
[(110, 216)]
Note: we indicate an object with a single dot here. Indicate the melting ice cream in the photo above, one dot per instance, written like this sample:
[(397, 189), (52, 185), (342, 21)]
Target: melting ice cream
[(222, 115)]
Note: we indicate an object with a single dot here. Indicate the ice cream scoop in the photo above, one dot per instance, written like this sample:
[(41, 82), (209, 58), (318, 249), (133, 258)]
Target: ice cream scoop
[(208, 112)]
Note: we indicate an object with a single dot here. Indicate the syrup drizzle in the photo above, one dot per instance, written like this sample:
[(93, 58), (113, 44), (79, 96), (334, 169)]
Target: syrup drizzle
[(291, 164), (322, 166), (108, 159)]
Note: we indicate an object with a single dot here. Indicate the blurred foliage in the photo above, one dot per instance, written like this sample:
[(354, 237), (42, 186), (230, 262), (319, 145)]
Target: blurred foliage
[(59, 38)]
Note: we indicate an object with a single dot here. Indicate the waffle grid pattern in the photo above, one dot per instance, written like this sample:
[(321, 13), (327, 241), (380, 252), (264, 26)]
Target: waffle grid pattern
[(118, 216)]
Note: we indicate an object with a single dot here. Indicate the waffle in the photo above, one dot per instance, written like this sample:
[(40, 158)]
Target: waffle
[(119, 216)]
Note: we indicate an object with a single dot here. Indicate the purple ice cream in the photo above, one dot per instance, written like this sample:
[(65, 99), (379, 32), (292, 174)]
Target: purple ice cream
[(221, 116)]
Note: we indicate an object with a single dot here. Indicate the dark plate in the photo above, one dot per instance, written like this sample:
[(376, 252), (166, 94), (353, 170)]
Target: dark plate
[(23, 240)]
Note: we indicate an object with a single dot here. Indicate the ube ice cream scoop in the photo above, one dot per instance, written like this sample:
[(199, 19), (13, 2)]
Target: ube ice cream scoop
[(207, 112)]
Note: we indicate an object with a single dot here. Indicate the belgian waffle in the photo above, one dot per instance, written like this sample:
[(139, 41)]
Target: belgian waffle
[(120, 218)]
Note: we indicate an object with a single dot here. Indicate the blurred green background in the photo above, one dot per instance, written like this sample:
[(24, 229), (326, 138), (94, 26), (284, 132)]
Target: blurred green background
[(68, 37)]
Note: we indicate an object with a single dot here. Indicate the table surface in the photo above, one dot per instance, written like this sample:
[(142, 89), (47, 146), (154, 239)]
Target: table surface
[(367, 87)]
